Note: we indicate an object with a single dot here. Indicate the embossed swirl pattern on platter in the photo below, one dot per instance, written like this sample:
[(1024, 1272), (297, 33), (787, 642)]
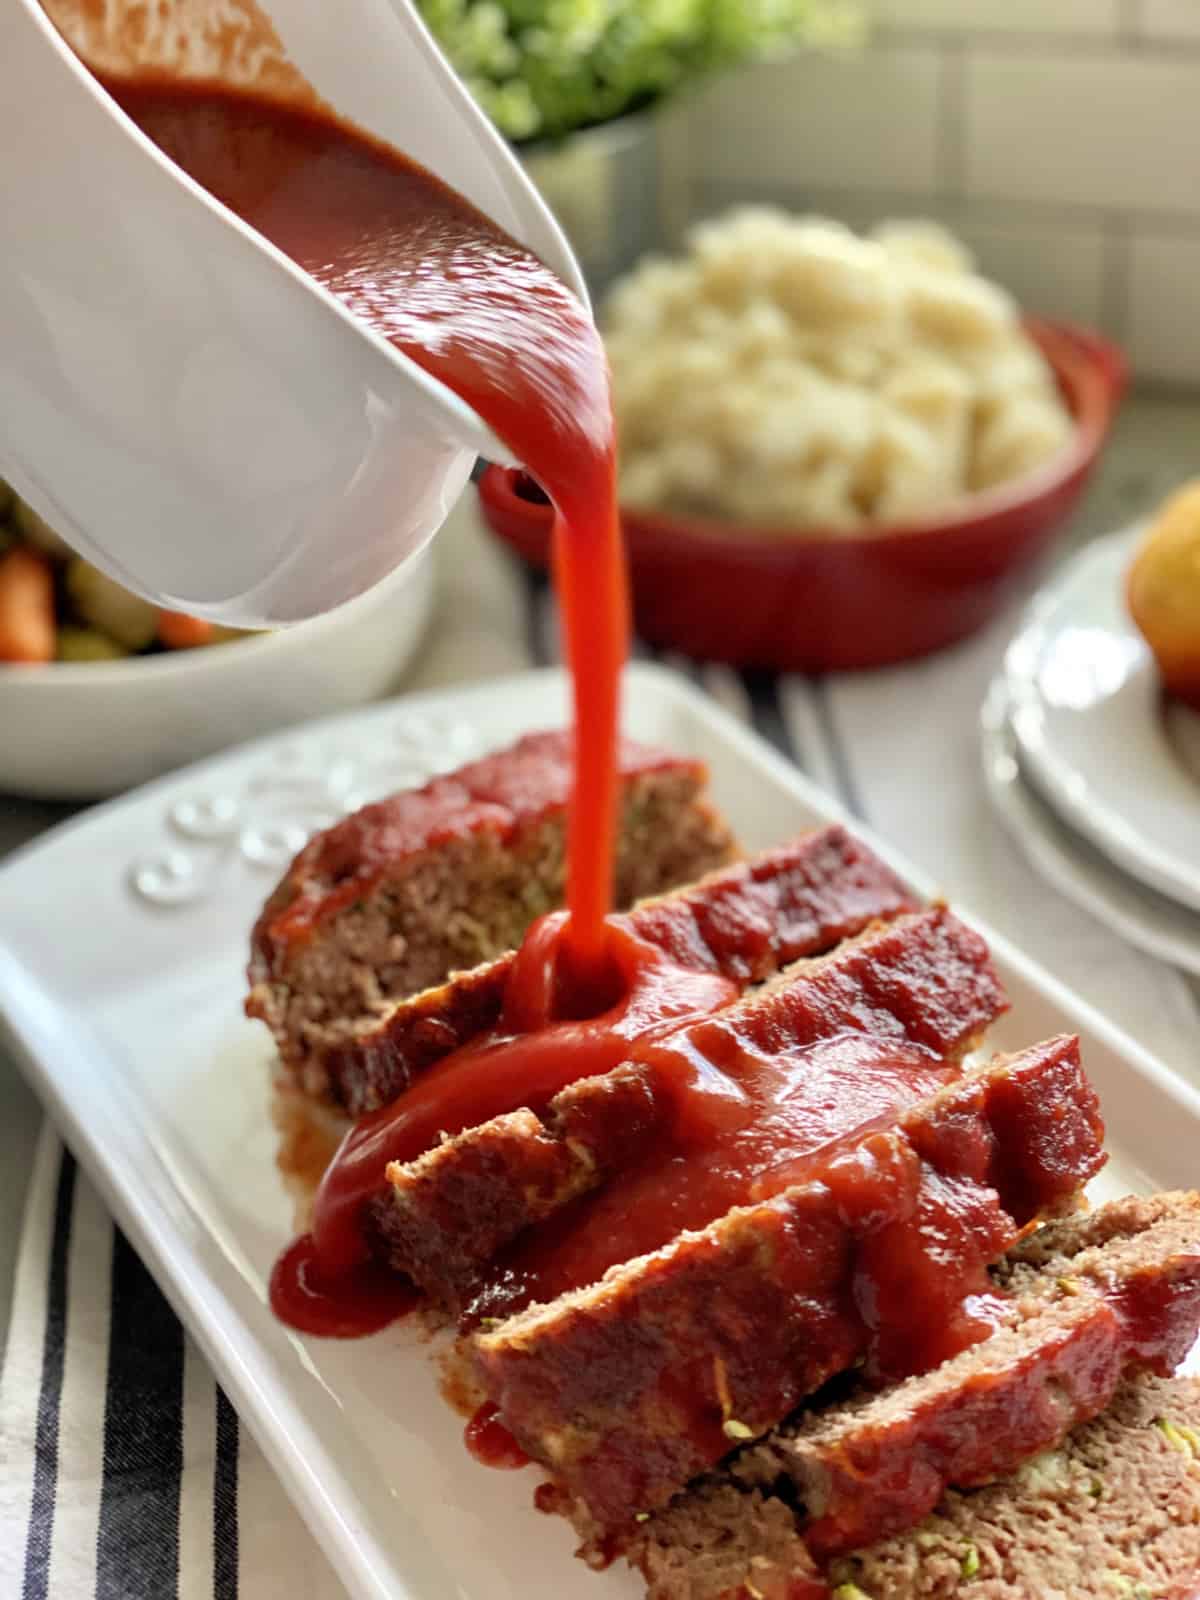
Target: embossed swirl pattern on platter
[(305, 785)]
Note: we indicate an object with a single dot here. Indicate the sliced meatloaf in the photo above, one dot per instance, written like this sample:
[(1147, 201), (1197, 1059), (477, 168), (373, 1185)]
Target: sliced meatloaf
[(453, 1209), (1075, 1322), (1091, 1300), (1112, 1513), (745, 921), (392, 899), (628, 1389)]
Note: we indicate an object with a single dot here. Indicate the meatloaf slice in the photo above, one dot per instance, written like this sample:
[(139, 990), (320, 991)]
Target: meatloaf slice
[(392, 899), (746, 921), (720, 1541), (1112, 1513), (1086, 1314), (454, 1208), (629, 1388), (1079, 1292)]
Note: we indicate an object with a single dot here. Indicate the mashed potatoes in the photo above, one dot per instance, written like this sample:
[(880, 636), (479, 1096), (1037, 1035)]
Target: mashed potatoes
[(789, 373)]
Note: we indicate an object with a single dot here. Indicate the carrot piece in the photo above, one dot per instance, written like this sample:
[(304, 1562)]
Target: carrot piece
[(26, 607), (178, 631)]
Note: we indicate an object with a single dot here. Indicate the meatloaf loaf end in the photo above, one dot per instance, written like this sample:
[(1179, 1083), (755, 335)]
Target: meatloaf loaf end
[(452, 1209), (392, 899), (628, 1389), (746, 921)]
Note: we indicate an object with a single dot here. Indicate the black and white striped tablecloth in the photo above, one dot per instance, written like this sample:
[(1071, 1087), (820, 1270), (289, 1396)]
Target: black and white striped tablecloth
[(124, 1472)]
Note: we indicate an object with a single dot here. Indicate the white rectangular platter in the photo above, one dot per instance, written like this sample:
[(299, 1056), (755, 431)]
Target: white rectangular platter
[(123, 939)]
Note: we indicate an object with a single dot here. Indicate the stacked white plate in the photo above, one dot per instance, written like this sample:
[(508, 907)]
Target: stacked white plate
[(1094, 770)]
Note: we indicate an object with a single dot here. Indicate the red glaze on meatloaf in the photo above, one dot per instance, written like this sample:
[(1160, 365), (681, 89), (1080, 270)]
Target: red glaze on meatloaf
[(1114, 1511), (628, 1389), (454, 1208), (745, 921), (1072, 1326), (1108, 1508)]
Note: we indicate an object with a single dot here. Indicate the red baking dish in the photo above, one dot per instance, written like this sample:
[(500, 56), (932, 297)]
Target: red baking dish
[(818, 601)]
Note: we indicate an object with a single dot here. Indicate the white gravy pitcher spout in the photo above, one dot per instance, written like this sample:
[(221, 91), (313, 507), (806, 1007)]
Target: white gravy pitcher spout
[(196, 414)]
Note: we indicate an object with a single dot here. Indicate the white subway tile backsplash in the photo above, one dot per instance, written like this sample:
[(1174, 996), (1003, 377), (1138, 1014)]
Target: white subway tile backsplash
[(1169, 19), (860, 121), (1116, 132), (1164, 307), (1015, 16), (1059, 138)]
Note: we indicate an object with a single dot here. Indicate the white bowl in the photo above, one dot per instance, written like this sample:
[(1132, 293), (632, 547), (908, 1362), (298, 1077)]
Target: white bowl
[(79, 731)]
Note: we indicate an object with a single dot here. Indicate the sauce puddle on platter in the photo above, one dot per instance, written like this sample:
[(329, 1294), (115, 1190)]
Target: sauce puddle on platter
[(490, 1442), (343, 1305)]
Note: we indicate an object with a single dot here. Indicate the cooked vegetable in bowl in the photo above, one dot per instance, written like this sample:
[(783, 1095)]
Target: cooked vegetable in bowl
[(54, 606)]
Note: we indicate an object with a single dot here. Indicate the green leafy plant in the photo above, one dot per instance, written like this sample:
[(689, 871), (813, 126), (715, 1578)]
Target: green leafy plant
[(543, 68)]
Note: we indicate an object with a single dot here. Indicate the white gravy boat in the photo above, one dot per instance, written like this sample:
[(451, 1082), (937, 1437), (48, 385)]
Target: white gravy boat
[(194, 413)]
